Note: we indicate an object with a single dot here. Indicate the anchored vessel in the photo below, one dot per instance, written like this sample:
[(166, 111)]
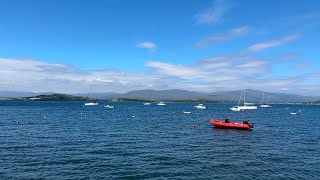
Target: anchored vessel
[(231, 125), (246, 105)]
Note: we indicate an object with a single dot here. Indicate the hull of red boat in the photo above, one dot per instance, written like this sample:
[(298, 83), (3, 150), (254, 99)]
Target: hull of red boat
[(230, 125)]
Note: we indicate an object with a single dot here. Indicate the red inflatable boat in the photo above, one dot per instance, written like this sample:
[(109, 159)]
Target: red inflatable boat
[(231, 125)]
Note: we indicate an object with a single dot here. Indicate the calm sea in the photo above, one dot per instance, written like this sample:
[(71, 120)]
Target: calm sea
[(64, 140)]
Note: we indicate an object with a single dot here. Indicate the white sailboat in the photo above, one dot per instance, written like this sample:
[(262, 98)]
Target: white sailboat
[(161, 103), (246, 105), (91, 102), (236, 108), (146, 103), (265, 105)]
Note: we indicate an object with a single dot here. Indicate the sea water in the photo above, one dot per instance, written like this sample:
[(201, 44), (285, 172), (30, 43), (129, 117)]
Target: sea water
[(66, 140)]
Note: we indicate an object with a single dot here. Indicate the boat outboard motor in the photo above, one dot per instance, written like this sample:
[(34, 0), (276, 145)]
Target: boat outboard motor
[(246, 122)]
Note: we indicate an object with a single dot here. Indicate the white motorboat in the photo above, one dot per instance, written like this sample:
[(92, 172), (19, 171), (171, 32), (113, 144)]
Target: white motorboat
[(200, 106), (265, 106), (110, 107), (294, 113)]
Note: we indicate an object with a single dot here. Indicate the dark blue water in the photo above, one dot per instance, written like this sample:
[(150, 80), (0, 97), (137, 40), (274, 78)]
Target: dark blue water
[(152, 142)]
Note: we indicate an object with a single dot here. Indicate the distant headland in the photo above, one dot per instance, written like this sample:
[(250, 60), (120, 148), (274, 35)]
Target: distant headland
[(173, 95)]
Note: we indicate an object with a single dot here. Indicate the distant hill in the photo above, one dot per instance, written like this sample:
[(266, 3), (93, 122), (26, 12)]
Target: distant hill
[(222, 96), (56, 97), (99, 95), (256, 96), (174, 94), (178, 94), (15, 94)]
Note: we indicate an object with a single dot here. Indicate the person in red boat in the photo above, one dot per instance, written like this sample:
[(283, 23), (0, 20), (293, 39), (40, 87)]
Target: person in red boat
[(226, 121)]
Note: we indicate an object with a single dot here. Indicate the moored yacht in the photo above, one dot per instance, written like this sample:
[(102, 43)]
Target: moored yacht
[(265, 105), (91, 103), (246, 105), (200, 106), (161, 103)]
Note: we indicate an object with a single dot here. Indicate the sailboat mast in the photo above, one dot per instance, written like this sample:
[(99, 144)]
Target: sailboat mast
[(240, 97), (244, 97), (89, 94), (262, 97)]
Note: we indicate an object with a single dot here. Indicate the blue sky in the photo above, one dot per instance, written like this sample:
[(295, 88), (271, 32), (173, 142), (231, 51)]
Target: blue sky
[(122, 45)]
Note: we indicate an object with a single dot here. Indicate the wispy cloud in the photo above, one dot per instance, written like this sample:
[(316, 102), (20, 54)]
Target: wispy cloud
[(270, 44), (39, 76), (215, 39), (215, 73), (214, 69), (213, 14), (147, 45)]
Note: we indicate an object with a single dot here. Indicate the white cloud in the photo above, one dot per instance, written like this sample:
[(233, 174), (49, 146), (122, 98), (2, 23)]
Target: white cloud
[(270, 44), (213, 69), (176, 70), (147, 45), (213, 14), (216, 73), (38, 76), (232, 34)]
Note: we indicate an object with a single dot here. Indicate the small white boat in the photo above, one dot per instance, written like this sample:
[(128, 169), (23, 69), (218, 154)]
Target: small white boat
[(265, 106), (161, 103), (109, 107), (187, 112), (91, 103), (294, 113), (200, 106)]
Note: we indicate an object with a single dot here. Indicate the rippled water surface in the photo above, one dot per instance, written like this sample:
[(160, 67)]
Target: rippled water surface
[(64, 140)]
